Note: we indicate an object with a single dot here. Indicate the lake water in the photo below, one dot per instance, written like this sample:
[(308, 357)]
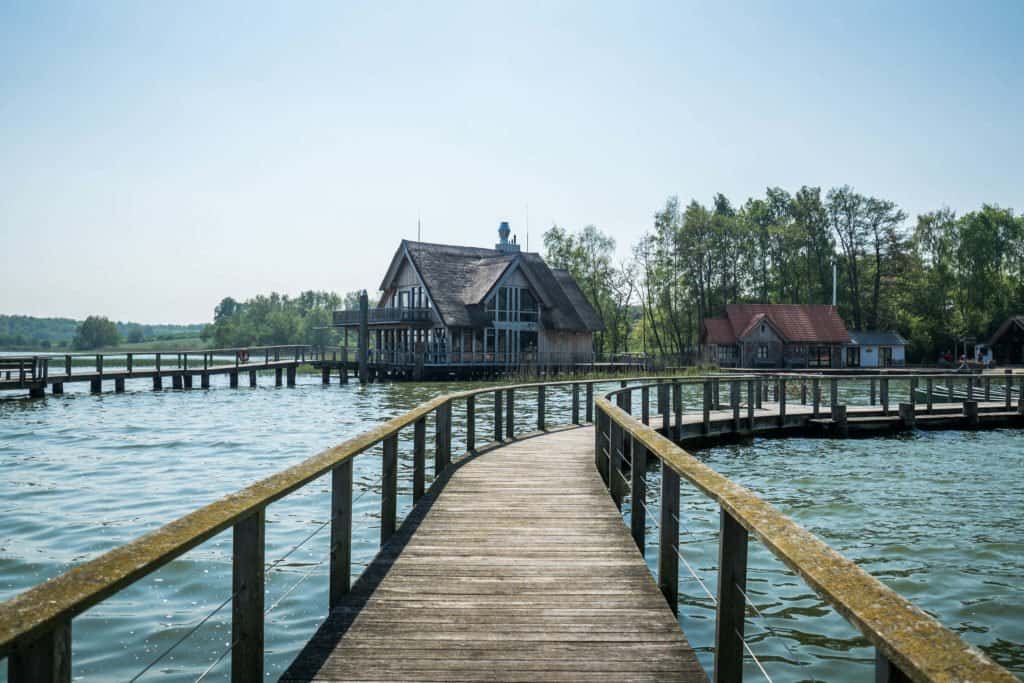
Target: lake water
[(937, 516)]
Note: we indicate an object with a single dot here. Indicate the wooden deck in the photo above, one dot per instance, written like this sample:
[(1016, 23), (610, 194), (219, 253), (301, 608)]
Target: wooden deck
[(516, 567)]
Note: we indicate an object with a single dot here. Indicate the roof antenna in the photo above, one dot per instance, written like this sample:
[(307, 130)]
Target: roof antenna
[(419, 226), (527, 226)]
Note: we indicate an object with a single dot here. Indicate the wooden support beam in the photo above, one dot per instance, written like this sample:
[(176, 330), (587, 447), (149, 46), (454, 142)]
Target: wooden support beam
[(930, 393), (815, 397), (471, 424), (732, 584), (325, 375), (645, 405), (590, 402), (706, 424), (389, 488), (292, 370), (781, 389), (510, 413), (668, 529), (252, 378), (247, 583), (887, 672), (95, 386), (119, 385), (575, 403), (908, 417), (734, 403), (540, 408), (665, 409), (498, 413), (177, 381), (419, 457), (47, 659), (58, 388), (204, 380), (840, 424), (341, 532), (277, 377), (971, 413), (677, 406), (233, 379), (751, 401), (442, 438), (638, 495)]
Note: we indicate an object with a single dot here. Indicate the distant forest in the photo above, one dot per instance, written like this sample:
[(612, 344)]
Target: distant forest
[(935, 279), (26, 332)]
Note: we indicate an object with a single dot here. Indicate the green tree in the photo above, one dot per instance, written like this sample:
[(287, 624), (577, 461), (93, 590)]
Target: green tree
[(96, 332)]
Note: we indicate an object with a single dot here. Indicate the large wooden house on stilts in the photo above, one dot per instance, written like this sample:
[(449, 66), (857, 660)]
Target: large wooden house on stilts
[(450, 310)]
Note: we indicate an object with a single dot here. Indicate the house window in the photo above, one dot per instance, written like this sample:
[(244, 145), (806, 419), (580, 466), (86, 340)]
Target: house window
[(853, 356), (762, 352), (885, 356), (512, 304), (527, 306), (820, 357)]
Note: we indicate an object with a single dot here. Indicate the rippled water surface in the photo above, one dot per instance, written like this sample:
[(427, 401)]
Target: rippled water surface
[(937, 516)]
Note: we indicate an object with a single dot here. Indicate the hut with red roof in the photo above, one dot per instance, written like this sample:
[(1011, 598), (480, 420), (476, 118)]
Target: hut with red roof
[(775, 336)]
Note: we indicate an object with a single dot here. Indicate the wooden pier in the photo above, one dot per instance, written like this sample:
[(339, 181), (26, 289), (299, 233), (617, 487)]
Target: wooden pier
[(521, 570), (183, 369), (515, 564)]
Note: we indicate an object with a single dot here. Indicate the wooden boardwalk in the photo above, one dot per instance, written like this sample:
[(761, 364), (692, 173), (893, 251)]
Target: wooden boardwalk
[(517, 568)]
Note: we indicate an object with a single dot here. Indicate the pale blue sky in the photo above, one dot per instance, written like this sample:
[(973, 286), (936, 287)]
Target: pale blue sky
[(157, 156)]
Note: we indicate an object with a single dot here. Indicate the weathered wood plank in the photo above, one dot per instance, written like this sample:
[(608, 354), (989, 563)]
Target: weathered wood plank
[(516, 566)]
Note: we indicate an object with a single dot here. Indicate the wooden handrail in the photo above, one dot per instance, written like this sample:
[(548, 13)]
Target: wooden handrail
[(907, 638)]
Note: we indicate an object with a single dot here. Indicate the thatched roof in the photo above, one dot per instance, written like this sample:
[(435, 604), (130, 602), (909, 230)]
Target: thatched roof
[(458, 280)]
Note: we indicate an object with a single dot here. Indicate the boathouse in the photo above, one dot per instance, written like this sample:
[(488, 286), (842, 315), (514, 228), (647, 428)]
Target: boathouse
[(775, 336), (872, 349), (453, 306), (1007, 344)]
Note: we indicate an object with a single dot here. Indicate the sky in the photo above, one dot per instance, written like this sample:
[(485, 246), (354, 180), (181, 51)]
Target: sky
[(156, 157)]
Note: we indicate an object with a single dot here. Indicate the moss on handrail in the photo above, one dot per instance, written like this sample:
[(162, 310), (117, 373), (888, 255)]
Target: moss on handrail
[(915, 642)]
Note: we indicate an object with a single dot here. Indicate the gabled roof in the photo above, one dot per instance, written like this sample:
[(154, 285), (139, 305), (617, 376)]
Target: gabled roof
[(1011, 322), (877, 338), (458, 279), (798, 323), (718, 331)]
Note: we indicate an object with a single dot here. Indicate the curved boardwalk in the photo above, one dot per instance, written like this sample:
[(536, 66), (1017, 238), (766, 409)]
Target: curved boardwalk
[(516, 567)]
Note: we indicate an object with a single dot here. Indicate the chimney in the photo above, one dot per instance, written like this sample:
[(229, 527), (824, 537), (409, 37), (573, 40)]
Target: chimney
[(504, 245)]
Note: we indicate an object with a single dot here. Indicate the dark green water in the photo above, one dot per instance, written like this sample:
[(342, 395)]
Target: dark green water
[(936, 516)]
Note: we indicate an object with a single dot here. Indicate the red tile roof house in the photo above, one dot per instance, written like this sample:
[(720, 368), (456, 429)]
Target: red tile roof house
[(775, 336)]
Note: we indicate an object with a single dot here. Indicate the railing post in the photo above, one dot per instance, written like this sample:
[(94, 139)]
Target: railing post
[(930, 391), (247, 583), (575, 404), (732, 584), (971, 413), (782, 401), (341, 532), (540, 408), (803, 391), (47, 659), (389, 487), (734, 403), (99, 364), (442, 438), (638, 494), (815, 397), (665, 409), (1008, 385), (128, 363), (706, 425), (498, 412), (645, 405), (873, 400), (616, 483), (677, 405), (887, 672), (751, 401), (67, 364), (600, 461), (510, 413), (833, 393), (471, 424), (590, 402), (419, 458), (759, 385), (987, 384), (668, 527), (884, 390)]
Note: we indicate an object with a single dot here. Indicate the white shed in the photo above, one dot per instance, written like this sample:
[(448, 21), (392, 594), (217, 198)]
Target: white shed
[(871, 349)]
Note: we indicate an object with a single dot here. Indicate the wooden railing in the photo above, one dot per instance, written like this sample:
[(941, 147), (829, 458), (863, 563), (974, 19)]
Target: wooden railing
[(378, 316), (24, 368), (910, 644), (199, 359)]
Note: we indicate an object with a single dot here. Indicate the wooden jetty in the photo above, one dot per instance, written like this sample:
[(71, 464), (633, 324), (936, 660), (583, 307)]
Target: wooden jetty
[(521, 570), (514, 565), (184, 369)]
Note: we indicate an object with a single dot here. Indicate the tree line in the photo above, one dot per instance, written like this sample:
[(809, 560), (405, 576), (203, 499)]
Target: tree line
[(934, 280), (29, 332)]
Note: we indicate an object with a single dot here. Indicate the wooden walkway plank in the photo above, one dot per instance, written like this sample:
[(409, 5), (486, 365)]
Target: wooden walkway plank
[(515, 567)]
